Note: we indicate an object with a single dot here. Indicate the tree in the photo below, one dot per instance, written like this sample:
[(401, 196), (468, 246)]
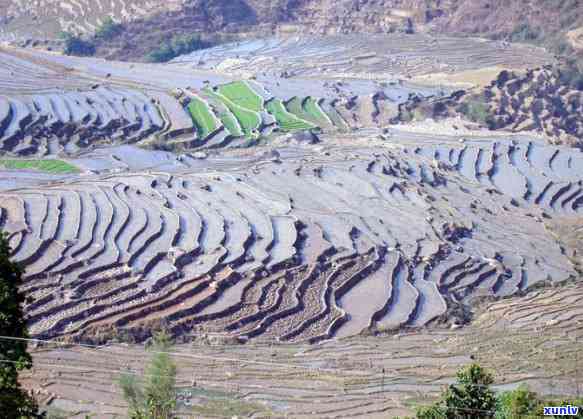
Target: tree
[(108, 29), (15, 402), (74, 45), (178, 45), (519, 403), (153, 396), (471, 397)]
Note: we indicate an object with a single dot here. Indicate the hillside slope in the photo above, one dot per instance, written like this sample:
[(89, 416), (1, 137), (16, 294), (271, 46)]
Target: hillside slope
[(149, 22)]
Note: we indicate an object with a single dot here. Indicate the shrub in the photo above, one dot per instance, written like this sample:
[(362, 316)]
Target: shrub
[(476, 110), (75, 45), (519, 403), (109, 29), (178, 45), (470, 398), (154, 396)]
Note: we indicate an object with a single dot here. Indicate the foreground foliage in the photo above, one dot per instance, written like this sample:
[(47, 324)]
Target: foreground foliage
[(472, 397), (153, 395), (15, 402)]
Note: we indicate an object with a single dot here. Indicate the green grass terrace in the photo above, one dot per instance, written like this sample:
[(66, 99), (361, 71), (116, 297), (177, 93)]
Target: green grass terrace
[(202, 117), (49, 166)]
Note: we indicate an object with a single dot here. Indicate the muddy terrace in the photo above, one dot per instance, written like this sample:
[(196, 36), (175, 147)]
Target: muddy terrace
[(379, 57), (304, 246), (531, 340), (288, 241), (256, 193)]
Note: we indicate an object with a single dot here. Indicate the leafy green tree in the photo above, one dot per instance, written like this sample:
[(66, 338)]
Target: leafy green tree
[(519, 403), (154, 395), (15, 402), (432, 412), (471, 397)]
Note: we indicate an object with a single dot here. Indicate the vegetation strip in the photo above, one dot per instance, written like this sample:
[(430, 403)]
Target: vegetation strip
[(248, 120), (50, 166), (202, 117), (242, 95), (286, 120)]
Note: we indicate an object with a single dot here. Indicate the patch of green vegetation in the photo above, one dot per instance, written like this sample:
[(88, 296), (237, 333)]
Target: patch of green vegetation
[(230, 408), (242, 95), (226, 117), (154, 394), (248, 120), (75, 45), (50, 166), (178, 45), (202, 117), (476, 110), (473, 397), (230, 123), (108, 29), (286, 120), (295, 107), (312, 109)]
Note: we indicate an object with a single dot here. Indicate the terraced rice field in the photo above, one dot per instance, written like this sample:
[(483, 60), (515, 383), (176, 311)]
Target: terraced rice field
[(312, 247), (309, 110), (286, 120), (373, 230), (50, 166), (243, 112), (67, 123), (378, 56), (372, 377), (248, 120), (202, 117), (242, 95)]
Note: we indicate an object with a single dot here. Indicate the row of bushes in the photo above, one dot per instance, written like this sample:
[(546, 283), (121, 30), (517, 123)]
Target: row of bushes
[(76, 45), (178, 45)]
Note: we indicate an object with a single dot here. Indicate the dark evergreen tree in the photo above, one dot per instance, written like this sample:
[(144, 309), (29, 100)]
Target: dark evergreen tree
[(15, 402)]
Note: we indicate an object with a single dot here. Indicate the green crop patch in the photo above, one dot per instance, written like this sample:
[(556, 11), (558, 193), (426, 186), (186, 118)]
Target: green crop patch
[(295, 107), (242, 95), (286, 120), (202, 117), (248, 120), (49, 166), (312, 109), (231, 124)]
